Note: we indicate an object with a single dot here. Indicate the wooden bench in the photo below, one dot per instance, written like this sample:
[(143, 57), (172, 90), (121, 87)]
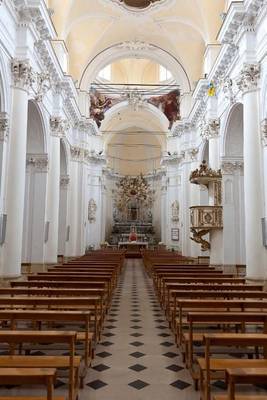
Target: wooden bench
[(32, 376), (211, 301), (219, 318), (71, 362), (245, 376), (92, 304), (207, 365), (41, 316)]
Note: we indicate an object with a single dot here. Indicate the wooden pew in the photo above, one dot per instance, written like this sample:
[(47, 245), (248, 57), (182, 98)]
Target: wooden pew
[(208, 364), (71, 362), (30, 376), (213, 300), (41, 316), (92, 303), (217, 318), (252, 376), (172, 288)]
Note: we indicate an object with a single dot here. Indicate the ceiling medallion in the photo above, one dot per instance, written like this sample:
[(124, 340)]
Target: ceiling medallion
[(140, 6)]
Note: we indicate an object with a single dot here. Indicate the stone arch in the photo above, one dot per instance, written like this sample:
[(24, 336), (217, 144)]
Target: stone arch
[(233, 177), (35, 187), (120, 50)]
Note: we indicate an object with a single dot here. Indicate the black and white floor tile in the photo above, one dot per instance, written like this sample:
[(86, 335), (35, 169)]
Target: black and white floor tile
[(144, 362), (137, 358)]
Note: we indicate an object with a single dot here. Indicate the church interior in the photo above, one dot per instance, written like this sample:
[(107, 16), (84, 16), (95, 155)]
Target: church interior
[(133, 199)]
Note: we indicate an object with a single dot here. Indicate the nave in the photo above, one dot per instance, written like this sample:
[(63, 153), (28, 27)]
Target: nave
[(98, 327)]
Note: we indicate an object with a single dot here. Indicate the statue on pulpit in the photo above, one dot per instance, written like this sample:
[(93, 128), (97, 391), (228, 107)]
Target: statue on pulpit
[(133, 235)]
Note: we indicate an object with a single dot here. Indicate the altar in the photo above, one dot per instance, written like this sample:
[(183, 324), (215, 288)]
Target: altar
[(135, 246)]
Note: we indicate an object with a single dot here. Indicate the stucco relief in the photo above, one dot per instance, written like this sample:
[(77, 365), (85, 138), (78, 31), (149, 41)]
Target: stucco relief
[(92, 208)]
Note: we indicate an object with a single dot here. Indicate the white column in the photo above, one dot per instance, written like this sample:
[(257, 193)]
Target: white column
[(63, 213), (71, 244), (216, 235), (185, 213), (163, 212), (264, 143), (195, 249), (52, 205), (256, 254), (80, 243), (15, 185)]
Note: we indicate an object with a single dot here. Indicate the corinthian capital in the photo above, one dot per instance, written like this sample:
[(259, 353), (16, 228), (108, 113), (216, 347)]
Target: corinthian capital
[(249, 77), (3, 126), (210, 129), (22, 73), (264, 132), (58, 126)]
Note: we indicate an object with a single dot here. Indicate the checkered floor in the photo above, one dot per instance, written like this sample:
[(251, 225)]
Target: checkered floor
[(137, 357)]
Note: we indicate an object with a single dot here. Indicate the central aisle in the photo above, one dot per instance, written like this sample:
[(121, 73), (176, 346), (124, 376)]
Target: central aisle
[(137, 357)]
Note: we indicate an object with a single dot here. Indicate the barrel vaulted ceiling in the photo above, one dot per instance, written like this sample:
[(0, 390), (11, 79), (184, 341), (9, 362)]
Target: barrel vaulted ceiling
[(183, 28)]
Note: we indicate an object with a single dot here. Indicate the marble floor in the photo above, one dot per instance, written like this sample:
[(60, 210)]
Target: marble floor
[(137, 358)]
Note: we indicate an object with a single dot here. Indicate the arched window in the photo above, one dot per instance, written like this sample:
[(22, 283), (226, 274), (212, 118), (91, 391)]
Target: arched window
[(164, 74), (105, 73)]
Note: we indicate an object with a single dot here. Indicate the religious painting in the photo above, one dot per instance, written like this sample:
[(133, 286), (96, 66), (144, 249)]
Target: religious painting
[(175, 234)]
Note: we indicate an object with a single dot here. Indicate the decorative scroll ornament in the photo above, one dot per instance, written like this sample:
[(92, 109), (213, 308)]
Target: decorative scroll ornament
[(198, 238), (3, 126), (249, 77), (92, 208), (41, 85), (210, 129), (37, 162), (22, 73), (135, 99), (64, 181), (58, 126), (193, 153), (227, 86), (175, 211), (77, 153), (264, 132), (229, 167), (204, 173), (136, 45)]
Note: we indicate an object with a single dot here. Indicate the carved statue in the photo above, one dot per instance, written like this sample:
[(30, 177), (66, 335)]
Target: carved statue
[(175, 211), (92, 207), (197, 237)]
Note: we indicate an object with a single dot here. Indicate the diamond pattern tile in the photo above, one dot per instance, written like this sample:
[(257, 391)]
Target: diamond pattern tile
[(136, 334), (106, 344), (100, 367), (97, 384), (138, 384), (137, 354), (167, 344), (174, 368), (138, 367), (170, 354), (181, 385), (137, 344), (104, 354)]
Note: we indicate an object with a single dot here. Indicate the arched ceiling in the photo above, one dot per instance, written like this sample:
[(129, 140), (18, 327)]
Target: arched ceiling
[(182, 28)]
